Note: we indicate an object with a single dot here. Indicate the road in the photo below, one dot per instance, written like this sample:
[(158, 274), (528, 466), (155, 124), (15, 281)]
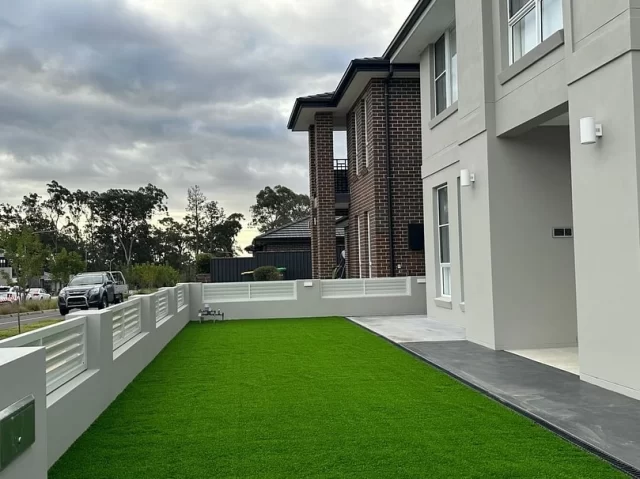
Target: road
[(7, 322)]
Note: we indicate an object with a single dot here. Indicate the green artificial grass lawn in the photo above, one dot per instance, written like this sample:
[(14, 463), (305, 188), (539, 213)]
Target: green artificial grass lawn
[(317, 398)]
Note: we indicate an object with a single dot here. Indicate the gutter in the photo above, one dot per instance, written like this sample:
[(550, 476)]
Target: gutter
[(332, 100), (392, 247)]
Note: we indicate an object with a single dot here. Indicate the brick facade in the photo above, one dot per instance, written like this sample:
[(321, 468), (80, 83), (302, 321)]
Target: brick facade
[(369, 188), (312, 188), (323, 213)]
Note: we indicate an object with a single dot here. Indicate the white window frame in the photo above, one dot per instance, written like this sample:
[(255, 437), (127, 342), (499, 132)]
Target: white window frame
[(369, 244), (366, 135), (513, 21), (359, 249), (356, 137), (446, 73), (443, 266), (461, 255)]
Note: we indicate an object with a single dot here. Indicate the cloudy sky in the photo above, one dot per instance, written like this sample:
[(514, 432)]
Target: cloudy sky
[(102, 94)]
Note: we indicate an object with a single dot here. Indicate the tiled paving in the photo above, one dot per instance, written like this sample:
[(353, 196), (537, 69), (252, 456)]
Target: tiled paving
[(409, 329), (597, 418), (561, 358)]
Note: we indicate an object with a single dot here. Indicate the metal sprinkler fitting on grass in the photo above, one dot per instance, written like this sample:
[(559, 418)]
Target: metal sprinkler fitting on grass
[(205, 313)]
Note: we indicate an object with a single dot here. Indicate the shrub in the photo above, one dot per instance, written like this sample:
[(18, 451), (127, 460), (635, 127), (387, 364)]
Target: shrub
[(151, 276), (267, 273), (203, 263)]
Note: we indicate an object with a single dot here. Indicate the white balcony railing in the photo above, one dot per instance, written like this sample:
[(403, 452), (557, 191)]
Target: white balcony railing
[(66, 349), (162, 305), (258, 291), (127, 321), (362, 288)]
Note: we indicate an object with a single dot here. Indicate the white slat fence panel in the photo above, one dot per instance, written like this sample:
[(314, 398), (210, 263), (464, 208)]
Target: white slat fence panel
[(180, 295), (256, 291), (66, 349), (162, 305), (127, 321), (342, 288)]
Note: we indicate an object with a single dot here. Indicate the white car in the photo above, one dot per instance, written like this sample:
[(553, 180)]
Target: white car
[(8, 297), (37, 294)]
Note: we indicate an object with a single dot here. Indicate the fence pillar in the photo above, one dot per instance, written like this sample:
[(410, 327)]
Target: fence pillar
[(99, 338), (194, 297), (22, 373)]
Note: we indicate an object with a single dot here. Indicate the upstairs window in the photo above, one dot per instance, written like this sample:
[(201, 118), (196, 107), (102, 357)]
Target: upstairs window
[(366, 134), (530, 23), (445, 54), (356, 137)]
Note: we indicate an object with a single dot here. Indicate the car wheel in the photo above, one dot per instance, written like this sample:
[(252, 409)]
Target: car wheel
[(104, 302), (64, 311)]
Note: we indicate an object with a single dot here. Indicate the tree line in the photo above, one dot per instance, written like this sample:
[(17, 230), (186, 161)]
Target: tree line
[(65, 231)]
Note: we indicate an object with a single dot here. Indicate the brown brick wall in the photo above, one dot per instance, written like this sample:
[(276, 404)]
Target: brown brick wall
[(369, 187), (325, 194), (312, 189)]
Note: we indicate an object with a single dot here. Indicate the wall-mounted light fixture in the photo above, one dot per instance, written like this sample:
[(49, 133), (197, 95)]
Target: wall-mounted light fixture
[(467, 178), (590, 131)]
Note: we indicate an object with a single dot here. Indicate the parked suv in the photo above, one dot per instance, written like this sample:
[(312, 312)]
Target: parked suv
[(87, 290), (121, 288)]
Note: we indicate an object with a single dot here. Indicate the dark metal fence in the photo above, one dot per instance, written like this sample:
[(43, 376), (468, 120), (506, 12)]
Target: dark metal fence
[(229, 270), (297, 263)]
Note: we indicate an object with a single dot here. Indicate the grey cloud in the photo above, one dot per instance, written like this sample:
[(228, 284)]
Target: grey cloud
[(102, 93)]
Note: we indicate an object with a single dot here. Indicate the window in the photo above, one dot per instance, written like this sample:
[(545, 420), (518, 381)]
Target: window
[(442, 198), (369, 244), (359, 249), (366, 135), (356, 136), (445, 54), (530, 23)]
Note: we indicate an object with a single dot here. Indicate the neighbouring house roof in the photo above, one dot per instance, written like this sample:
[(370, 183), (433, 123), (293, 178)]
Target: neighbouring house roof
[(293, 231), (354, 80)]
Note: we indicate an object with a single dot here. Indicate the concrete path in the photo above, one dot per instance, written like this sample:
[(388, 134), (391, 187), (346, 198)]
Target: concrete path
[(409, 329)]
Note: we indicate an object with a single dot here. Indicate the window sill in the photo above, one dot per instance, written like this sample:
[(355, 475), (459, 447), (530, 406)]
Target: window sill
[(539, 52), (444, 303), (443, 115)]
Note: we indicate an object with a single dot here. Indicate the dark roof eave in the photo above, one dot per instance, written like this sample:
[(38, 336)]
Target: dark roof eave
[(355, 66), (406, 27)]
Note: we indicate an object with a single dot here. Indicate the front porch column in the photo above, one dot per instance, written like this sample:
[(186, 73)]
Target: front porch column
[(326, 197), (313, 192)]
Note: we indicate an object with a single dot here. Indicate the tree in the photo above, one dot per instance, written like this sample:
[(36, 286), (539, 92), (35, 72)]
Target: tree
[(196, 201), (27, 256), (276, 207), (55, 206), (203, 263), (219, 231), (124, 217), (65, 264)]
